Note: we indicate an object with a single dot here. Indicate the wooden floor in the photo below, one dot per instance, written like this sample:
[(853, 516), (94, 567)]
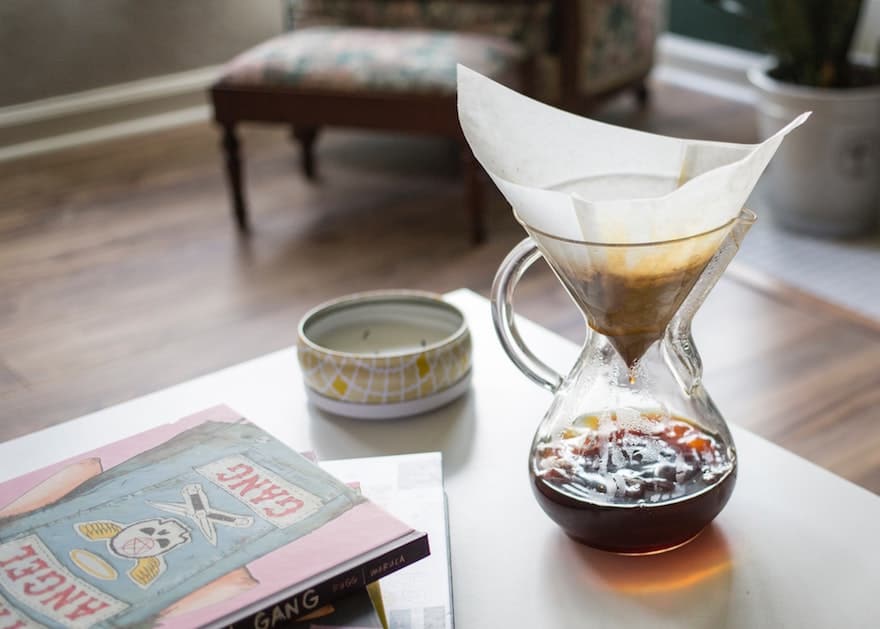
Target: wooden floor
[(120, 274)]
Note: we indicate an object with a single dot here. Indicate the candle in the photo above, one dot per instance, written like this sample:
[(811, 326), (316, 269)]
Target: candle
[(384, 354), (383, 337)]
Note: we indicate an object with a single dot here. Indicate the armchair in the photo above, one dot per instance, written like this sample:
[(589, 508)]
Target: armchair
[(390, 65)]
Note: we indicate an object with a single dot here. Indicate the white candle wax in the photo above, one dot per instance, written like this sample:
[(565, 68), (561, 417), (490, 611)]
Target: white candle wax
[(381, 338)]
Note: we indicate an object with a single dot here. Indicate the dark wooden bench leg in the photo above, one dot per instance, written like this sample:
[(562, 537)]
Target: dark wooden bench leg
[(306, 137), (474, 195), (231, 151), (643, 95)]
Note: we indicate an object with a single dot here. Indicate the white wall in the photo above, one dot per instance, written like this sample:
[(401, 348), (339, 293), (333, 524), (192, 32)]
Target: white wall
[(54, 47)]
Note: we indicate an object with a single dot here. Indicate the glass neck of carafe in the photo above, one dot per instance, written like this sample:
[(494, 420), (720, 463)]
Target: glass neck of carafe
[(678, 346), (634, 296)]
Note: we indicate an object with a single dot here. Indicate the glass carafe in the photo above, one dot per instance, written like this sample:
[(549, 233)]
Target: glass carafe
[(632, 456)]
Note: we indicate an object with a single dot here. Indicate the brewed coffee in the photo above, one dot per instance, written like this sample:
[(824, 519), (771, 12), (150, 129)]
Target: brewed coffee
[(633, 482), (632, 310)]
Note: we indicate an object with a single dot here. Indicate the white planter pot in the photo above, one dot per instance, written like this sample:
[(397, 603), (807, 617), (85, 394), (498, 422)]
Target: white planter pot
[(825, 178)]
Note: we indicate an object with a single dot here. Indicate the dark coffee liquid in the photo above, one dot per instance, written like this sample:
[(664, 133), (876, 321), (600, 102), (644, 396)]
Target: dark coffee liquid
[(634, 484), (634, 310)]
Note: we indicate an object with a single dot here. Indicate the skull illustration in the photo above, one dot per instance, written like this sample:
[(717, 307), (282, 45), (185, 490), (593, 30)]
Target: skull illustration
[(149, 538)]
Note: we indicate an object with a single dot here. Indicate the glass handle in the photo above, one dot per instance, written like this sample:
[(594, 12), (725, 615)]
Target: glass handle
[(509, 273)]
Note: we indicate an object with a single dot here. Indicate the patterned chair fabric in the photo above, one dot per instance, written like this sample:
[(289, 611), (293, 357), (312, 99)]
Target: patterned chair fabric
[(618, 41), (616, 47), (522, 21), (379, 59), (394, 45), (414, 45)]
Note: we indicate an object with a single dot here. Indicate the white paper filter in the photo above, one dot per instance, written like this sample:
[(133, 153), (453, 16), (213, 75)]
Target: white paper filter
[(575, 178)]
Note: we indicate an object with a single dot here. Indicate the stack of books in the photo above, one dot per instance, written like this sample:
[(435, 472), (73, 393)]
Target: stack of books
[(212, 522)]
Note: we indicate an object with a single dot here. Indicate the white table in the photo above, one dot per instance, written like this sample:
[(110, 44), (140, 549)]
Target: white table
[(795, 547)]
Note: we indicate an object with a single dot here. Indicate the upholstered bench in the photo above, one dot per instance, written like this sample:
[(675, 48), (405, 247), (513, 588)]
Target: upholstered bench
[(346, 64), (391, 64)]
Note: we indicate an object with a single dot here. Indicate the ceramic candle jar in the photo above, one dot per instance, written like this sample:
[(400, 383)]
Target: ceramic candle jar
[(384, 354)]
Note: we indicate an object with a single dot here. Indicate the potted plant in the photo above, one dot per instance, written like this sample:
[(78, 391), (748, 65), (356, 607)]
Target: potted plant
[(825, 178)]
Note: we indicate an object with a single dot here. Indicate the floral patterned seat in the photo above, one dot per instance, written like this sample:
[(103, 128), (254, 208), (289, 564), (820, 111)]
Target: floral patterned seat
[(354, 58)]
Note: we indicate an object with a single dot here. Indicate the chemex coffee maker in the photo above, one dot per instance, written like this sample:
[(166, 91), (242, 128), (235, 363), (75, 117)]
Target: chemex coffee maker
[(632, 456)]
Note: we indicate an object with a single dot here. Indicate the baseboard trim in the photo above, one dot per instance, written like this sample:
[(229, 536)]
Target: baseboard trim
[(112, 96), (137, 126), (101, 114), (705, 67)]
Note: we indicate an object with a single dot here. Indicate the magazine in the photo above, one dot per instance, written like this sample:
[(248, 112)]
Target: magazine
[(410, 486), (203, 522)]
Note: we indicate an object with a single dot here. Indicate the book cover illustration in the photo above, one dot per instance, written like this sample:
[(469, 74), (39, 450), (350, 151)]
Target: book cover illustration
[(178, 526)]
